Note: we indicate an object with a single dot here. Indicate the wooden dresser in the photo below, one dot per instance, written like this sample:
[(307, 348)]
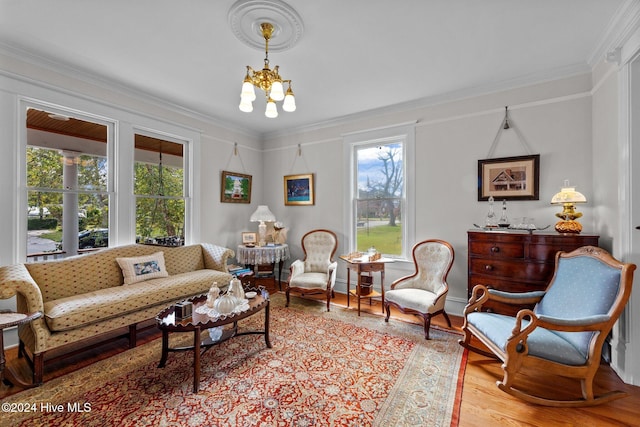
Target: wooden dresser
[(517, 261)]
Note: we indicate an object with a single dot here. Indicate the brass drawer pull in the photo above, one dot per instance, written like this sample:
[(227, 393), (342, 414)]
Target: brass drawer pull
[(488, 267), (495, 249)]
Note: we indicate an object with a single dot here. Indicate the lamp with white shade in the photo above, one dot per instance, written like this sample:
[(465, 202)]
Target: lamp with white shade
[(262, 215), (568, 197)]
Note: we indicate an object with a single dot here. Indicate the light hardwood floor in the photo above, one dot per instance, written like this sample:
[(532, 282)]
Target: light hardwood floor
[(483, 404)]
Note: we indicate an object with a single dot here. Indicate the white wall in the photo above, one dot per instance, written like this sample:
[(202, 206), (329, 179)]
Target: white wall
[(557, 119), (212, 152), (605, 154), (214, 146), (554, 118)]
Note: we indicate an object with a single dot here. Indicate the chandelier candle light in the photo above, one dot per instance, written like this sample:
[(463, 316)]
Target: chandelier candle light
[(269, 81), (568, 197)]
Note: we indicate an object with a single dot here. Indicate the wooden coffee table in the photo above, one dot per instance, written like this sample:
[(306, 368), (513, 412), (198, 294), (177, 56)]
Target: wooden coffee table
[(197, 323)]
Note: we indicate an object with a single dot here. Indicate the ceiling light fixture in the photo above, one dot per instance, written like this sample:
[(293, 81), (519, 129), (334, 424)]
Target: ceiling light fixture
[(269, 81)]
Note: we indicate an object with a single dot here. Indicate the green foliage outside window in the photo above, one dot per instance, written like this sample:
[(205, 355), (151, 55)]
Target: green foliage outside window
[(160, 204)]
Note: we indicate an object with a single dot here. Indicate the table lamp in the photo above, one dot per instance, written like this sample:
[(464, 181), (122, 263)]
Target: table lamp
[(261, 215), (568, 197)]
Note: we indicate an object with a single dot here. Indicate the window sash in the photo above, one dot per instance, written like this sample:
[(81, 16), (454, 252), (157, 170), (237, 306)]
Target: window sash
[(384, 239), (404, 133)]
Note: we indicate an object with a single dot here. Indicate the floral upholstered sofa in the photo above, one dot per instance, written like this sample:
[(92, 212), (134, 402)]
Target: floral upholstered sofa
[(105, 292)]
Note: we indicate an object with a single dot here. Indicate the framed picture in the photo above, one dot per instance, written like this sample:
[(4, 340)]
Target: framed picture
[(298, 190), (249, 238), (509, 178), (235, 188)]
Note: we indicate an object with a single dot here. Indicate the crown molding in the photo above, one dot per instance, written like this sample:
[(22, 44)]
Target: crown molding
[(624, 23), (53, 65), (50, 64), (443, 98)]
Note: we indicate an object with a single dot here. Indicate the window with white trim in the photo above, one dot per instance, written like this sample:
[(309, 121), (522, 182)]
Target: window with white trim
[(67, 179), (380, 210), (73, 204), (159, 186)]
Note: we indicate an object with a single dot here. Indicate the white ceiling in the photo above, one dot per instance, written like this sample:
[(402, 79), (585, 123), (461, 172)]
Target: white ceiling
[(354, 55)]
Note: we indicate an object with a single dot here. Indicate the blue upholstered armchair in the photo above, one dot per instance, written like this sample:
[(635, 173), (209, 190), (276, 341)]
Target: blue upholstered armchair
[(564, 333), (317, 272)]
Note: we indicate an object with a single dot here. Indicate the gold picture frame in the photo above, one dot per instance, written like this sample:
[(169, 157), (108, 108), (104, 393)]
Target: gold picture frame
[(299, 190), (235, 187), (509, 178)]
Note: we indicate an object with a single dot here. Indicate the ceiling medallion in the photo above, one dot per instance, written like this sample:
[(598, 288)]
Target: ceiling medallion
[(246, 17)]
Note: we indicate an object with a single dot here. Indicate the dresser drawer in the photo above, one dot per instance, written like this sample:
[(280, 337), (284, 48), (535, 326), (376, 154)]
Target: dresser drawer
[(544, 251), (527, 271), (505, 284), (497, 249), (367, 267)]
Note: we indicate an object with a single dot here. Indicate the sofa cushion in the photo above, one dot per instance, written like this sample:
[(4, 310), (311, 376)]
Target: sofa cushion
[(413, 298), (310, 281), (543, 343), (183, 259), (84, 309), (142, 268)]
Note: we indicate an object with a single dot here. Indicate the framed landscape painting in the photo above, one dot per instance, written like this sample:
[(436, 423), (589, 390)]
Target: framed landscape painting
[(298, 190), (235, 188), (509, 178)]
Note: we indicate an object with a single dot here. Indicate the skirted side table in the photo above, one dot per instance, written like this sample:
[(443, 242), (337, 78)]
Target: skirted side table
[(7, 320), (261, 255)]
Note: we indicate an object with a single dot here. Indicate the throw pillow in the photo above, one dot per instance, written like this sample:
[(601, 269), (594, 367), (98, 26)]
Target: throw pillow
[(138, 269)]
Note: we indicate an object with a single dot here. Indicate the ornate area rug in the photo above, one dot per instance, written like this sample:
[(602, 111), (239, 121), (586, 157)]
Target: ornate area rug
[(325, 369)]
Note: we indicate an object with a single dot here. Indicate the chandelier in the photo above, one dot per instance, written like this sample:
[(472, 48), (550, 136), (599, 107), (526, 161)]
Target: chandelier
[(269, 81)]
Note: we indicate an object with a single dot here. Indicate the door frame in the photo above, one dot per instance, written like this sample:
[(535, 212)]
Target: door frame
[(626, 343)]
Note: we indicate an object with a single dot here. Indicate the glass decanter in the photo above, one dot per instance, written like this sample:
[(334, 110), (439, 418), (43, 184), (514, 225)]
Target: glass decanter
[(503, 222), (491, 221)]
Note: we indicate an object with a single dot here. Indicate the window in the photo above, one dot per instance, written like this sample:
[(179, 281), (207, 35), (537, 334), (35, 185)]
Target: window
[(160, 191), (73, 201), (67, 183), (381, 213)]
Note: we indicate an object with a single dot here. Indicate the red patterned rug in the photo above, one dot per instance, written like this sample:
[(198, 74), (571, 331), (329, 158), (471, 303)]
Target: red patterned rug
[(325, 369)]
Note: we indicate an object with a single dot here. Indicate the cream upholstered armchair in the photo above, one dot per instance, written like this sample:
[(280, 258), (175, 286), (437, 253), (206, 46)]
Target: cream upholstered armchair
[(424, 292), (317, 272), (563, 335)]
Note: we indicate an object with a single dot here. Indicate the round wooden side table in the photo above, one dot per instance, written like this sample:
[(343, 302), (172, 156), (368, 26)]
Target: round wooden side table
[(8, 319)]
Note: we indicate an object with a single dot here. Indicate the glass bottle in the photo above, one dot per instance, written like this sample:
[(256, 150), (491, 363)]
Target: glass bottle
[(504, 219), (491, 220)]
